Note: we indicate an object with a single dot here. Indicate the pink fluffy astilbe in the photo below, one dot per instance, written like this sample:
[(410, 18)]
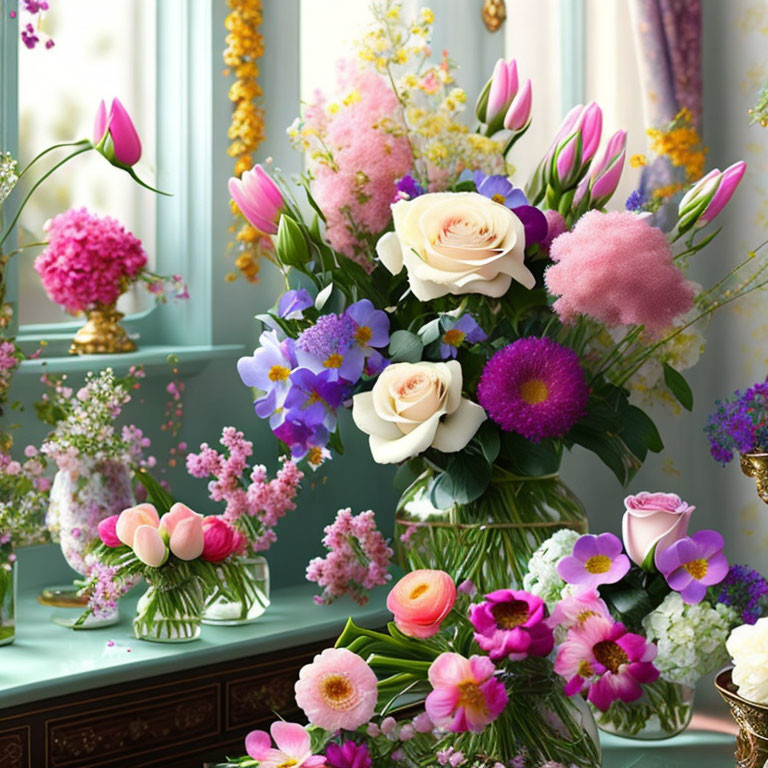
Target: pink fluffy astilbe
[(367, 160), (89, 260), (619, 270), (357, 560)]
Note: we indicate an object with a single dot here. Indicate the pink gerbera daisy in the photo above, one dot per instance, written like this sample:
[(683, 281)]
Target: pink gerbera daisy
[(601, 656), (337, 690), (534, 386)]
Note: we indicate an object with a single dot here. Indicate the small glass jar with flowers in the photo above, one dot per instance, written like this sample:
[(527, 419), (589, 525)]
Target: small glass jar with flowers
[(254, 505), (89, 262)]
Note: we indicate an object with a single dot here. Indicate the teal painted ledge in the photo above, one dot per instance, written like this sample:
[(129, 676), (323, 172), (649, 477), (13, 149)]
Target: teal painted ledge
[(190, 359), (47, 660), (692, 749)]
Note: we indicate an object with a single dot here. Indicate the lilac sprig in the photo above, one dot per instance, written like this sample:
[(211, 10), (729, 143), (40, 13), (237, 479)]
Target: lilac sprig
[(745, 590)]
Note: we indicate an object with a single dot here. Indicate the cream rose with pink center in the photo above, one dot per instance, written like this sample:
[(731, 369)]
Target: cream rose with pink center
[(414, 406), (456, 242)]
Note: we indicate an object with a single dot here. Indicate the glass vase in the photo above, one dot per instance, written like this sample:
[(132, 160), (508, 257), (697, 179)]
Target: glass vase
[(170, 612), (242, 595), (664, 710), (490, 540), (8, 577)]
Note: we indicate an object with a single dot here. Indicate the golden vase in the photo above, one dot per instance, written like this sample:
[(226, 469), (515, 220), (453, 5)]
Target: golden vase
[(756, 465), (752, 719), (102, 334)]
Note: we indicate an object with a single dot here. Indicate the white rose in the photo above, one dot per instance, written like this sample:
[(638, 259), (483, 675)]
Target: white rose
[(456, 242), (414, 406), (748, 647)]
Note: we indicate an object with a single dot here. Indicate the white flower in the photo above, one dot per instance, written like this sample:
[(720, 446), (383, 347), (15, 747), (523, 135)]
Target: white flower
[(690, 638), (542, 578), (748, 647), (456, 242), (414, 406)]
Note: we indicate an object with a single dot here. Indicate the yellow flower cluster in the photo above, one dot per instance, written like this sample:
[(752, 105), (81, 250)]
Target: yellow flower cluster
[(681, 143), (245, 46), (393, 42)]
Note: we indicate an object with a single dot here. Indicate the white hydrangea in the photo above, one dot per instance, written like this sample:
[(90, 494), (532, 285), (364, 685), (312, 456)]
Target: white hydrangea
[(748, 647), (690, 638), (542, 578)]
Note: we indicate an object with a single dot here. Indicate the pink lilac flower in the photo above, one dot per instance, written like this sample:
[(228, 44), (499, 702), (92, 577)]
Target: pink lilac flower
[(450, 757), (457, 331), (693, 564), (337, 690), (293, 747), (358, 558), (595, 560), (534, 386), (106, 588), (347, 755), (574, 610), (620, 250), (89, 260), (466, 696), (512, 623), (602, 657)]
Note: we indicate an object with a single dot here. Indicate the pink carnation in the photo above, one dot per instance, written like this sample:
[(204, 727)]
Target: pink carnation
[(618, 269), (89, 261)]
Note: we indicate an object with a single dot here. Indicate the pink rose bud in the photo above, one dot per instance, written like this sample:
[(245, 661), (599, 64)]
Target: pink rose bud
[(130, 519), (115, 135), (219, 539), (107, 532), (518, 116), (149, 547), (420, 601), (259, 199), (729, 180), (651, 524)]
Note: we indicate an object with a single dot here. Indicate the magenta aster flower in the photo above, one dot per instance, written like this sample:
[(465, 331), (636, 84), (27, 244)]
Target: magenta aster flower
[(534, 386), (606, 659), (595, 560), (694, 563), (512, 623), (347, 755)]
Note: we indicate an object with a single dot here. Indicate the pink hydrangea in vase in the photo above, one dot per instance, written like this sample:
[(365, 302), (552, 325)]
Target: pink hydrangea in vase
[(90, 261)]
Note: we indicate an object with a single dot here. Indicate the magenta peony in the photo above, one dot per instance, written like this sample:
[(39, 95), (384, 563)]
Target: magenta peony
[(89, 261), (618, 269), (220, 539)]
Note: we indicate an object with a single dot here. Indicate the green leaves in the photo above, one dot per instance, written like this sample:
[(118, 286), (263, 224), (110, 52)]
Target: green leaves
[(678, 386), (405, 347), (634, 597), (156, 494), (465, 479)]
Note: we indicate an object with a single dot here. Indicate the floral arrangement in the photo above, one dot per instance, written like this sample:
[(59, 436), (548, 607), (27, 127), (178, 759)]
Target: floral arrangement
[(464, 319), (90, 261)]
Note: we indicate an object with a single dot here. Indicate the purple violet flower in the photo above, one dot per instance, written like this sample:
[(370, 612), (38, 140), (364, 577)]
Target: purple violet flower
[(372, 325), (595, 560), (292, 303), (314, 397), (745, 590), (457, 331), (408, 188), (693, 563), (331, 345)]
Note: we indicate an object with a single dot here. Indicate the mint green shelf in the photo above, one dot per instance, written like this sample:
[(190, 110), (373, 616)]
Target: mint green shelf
[(693, 749)]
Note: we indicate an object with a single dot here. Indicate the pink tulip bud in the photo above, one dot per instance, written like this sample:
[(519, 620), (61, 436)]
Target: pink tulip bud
[(729, 180), (115, 135), (107, 532), (504, 84), (149, 547), (568, 161), (130, 519), (219, 539), (183, 530), (259, 198), (100, 123), (518, 115), (591, 126), (605, 171)]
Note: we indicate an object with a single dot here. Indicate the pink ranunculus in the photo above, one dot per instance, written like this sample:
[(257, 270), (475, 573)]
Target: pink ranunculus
[(652, 523), (293, 747), (220, 539), (183, 530), (130, 519), (466, 696), (337, 690), (149, 547), (420, 601), (108, 533)]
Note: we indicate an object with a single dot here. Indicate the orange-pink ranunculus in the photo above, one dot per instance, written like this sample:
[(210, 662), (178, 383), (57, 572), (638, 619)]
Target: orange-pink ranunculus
[(420, 601)]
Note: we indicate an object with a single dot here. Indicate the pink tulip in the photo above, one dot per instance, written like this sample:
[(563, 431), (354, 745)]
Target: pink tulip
[(130, 519), (149, 547), (591, 127), (729, 180), (504, 84), (108, 533), (518, 115), (259, 198), (220, 539), (183, 530), (115, 135), (605, 171), (567, 161)]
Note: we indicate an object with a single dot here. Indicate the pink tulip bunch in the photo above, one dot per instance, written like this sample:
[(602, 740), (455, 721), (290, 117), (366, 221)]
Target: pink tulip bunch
[(598, 186), (708, 196), (259, 199), (503, 103)]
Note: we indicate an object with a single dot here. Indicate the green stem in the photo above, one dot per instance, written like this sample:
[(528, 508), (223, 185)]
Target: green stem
[(82, 142)]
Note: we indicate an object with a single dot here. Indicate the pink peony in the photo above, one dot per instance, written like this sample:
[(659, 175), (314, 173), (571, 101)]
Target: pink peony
[(89, 260), (420, 601), (619, 270), (337, 690), (466, 696), (220, 539)]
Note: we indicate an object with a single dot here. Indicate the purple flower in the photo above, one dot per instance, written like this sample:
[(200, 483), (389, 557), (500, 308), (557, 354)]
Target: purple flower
[(269, 368), (636, 201), (299, 435), (746, 590), (534, 223), (694, 563), (408, 188), (595, 560), (347, 755), (375, 363), (292, 303), (28, 37), (534, 386), (331, 345), (499, 189), (457, 331), (372, 325), (512, 623), (314, 397)]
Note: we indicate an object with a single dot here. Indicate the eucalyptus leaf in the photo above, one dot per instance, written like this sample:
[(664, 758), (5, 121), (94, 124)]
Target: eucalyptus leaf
[(405, 347)]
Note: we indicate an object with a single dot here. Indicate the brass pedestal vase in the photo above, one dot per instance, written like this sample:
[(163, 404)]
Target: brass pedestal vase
[(102, 334), (755, 465), (752, 719)]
